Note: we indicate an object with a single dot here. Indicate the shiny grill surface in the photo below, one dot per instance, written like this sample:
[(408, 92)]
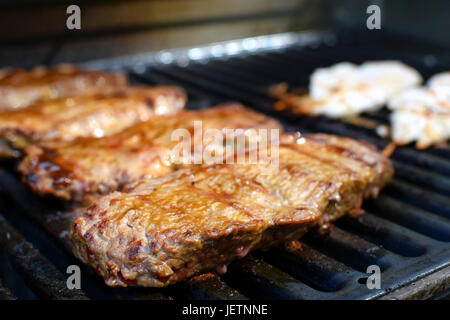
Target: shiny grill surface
[(406, 231)]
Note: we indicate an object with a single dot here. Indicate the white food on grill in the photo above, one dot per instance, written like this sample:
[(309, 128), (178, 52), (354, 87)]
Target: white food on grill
[(346, 89), (440, 84), (422, 114)]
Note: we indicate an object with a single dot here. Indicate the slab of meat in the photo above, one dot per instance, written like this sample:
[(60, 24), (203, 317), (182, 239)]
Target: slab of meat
[(85, 116), (88, 166), (20, 88), (163, 230)]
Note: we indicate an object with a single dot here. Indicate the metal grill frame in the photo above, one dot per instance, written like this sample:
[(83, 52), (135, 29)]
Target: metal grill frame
[(406, 231)]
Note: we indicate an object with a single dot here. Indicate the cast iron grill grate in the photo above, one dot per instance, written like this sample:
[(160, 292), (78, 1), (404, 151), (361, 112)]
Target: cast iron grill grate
[(406, 231)]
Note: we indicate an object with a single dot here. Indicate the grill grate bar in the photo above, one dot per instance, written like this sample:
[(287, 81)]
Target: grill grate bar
[(386, 234), (431, 181), (421, 221), (419, 197), (349, 249), (220, 67), (259, 68), (258, 279), (231, 81), (279, 66), (194, 93), (311, 267), (311, 56), (39, 272), (425, 161), (442, 151), (209, 287), (178, 72)]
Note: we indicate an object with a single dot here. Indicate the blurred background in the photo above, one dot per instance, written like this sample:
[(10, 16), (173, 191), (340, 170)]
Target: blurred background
[(34, 32)]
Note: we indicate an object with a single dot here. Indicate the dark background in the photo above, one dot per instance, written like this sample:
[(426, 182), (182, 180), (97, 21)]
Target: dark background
[(34, 32)]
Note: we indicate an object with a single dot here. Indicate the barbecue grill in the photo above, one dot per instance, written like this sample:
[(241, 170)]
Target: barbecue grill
[(406, 231)]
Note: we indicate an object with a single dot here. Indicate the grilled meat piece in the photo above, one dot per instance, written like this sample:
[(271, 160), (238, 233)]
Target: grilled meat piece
[(20, 88), (163, 230), (88, 166), (89, 116)]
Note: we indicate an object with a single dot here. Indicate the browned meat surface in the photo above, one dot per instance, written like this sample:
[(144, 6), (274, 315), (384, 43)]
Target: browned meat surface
[(88, 166), (88, 116), (163, 230), (20, 88)]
